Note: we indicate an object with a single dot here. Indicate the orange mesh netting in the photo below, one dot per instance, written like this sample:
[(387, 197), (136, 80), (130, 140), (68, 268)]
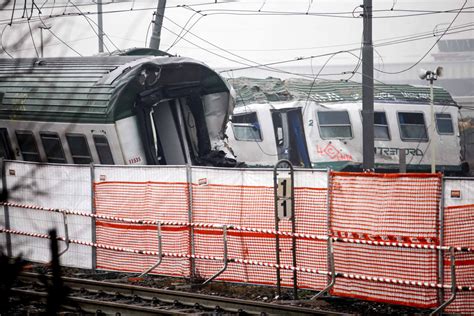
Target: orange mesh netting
[(400, 208), (144, 201), (459, 228), (386, 207)]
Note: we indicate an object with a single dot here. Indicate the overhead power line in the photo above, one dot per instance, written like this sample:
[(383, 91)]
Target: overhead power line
[(430, 49), (235, 12)]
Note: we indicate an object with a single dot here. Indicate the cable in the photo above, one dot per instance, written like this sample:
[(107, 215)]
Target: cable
[(359, 61), (56, 44), (87, 20), (328, 54), (345, 15), (1, 42), (52, 8), (415, 36), (24, 10), (273, 13), (229, 59), (316, 77), (147, 31), (105, 34), (226, 51), (13, 12), (65, 7), (42, 6), (59, 39), (429, 50), (309, 6), (32, 39), (178, 38), (393, 5)]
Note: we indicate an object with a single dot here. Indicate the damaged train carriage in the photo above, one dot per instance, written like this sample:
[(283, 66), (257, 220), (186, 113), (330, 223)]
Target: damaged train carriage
[(318, 124), (114, 110)]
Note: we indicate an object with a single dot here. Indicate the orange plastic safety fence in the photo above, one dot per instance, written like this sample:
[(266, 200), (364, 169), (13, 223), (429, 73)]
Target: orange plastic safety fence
[(366, 207), (459, 228), (254, 207), (145, 201), (389, 208), (245, 206)]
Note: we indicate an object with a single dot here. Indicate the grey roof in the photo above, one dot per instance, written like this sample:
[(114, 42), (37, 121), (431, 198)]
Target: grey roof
[(88, 89), (251, 90)]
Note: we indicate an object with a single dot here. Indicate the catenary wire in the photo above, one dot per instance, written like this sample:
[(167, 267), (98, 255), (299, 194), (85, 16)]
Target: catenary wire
[(58, 38), (430, 49)]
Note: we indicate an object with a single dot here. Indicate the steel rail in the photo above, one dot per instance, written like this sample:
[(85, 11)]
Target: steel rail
[(100, 307), (186, 298)]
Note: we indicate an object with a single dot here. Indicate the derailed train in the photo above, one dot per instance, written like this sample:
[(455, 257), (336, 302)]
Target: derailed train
[(319, 124), (159, 110), (114, 110)]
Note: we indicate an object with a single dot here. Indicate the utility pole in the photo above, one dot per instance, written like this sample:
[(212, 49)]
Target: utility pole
[(156, 34), (367, 90), (43, 27), (100, 26), (432, 76)]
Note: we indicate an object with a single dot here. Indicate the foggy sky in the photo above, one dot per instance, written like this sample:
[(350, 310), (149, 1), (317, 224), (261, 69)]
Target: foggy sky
[(260, 38)]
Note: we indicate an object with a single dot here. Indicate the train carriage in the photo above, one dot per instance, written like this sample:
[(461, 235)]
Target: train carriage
[(113, 110), (319, 124)]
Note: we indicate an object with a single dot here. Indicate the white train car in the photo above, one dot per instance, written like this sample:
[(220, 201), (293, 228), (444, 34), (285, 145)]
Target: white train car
[(113, 110), (319, 124)]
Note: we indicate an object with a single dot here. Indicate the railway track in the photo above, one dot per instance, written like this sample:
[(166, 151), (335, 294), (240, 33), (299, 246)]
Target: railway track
[(107, 298)]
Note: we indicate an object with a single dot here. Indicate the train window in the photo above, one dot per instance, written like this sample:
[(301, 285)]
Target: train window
[(6, 151), (246, 127), (79, 148), (53, 147), (381, 131), (444, 123), (412, 126), (103, 150), (28, 147), (334, 124)]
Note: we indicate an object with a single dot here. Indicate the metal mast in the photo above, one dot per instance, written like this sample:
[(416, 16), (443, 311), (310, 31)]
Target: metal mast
[(156, 34), (368, 90), (100, 26)]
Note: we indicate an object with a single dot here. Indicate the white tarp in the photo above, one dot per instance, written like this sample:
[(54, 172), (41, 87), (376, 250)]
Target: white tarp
[(458, 191), (51, 186)]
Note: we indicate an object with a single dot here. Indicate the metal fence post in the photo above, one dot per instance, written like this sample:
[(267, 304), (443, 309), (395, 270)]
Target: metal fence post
[(441, 243), (93, 220), (453, 283), (224, 259), (6, 210), (66, 235), (160, 251), (189, 180), (330, 250), (331, 270)]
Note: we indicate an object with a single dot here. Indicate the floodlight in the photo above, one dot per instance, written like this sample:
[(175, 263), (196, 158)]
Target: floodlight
[(422, 73), (439, 71)]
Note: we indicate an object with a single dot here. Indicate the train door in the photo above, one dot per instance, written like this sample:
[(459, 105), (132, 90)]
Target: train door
[(169, 144), (175, 131), (290, 136)]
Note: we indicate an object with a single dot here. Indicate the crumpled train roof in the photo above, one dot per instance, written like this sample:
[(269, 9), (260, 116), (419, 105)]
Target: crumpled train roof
[(252, 90)]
